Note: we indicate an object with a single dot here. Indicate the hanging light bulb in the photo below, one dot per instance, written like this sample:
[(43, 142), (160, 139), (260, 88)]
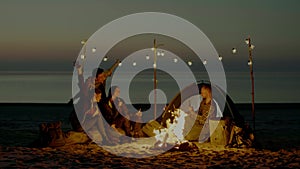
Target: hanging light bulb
[(158, 53), (247, 41), (175, 60), (249, 62), (147, 57), (154, 65), (220, 58), (134, 63), (105, 59), (83, 42), (82, 56), (153, 80), (190, 63), (234, 50), (162, 53), (94, 50), (120, 64), (152, 49), (204, 62), (252, 47)]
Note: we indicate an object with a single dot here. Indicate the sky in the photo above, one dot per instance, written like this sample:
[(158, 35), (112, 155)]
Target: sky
[(44, 36)]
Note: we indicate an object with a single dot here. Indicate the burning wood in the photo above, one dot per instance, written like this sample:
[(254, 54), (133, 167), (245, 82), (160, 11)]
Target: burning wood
[(172, 135)]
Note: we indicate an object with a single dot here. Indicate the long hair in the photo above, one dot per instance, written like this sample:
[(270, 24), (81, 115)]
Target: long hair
[(97, 71)]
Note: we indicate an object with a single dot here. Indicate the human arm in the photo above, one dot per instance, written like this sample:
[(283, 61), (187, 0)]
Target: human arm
[(80, 79), (79, 69), (191, 112), (122, 108), (111, 69)]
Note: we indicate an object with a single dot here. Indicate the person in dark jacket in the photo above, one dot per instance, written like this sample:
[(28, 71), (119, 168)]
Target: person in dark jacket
[(121, 117)]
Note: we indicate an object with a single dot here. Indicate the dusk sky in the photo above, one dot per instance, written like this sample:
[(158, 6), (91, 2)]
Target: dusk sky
[(44, 36)]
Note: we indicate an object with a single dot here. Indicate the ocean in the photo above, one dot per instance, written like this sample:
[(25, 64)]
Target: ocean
[(56, 87), (277, 125)]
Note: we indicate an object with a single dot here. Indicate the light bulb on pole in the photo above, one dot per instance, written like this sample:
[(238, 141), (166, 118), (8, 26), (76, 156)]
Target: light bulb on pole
[(247, 41)]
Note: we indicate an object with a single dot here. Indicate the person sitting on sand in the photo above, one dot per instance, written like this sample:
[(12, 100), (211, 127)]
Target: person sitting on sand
[(121, 114), (117, 105), (207, 109), (93, 122)]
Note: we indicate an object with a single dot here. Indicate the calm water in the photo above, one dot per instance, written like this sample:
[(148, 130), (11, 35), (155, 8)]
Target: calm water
[(276, 126), (57, 88)]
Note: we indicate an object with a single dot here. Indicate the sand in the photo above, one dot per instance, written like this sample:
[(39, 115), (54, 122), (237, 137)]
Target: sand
[(92, 156)]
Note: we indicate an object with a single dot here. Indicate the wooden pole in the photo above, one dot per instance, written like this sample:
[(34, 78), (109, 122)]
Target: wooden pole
[(252, 81), (155, 84)]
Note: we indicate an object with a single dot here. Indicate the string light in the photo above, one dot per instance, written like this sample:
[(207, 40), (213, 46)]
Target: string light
[(247, 41), (147, 57), (83, 42), (105, 59), (94, 50), (153, 80), (204, 62), (234, 50), (120, 64), (220, 58), (249, 62), (190, 63), (134, 64), (175, 60)]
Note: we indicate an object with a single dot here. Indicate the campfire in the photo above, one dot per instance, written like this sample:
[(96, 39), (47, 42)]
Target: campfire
[(173, 134)]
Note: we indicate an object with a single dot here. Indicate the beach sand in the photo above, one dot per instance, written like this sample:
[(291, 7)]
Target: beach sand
[(93, 156)]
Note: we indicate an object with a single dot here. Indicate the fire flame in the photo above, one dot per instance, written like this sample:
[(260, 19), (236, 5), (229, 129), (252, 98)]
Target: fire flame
[(173, 134)]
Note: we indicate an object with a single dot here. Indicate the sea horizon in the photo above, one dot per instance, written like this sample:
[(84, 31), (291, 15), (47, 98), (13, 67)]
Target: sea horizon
[(56, 87)]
